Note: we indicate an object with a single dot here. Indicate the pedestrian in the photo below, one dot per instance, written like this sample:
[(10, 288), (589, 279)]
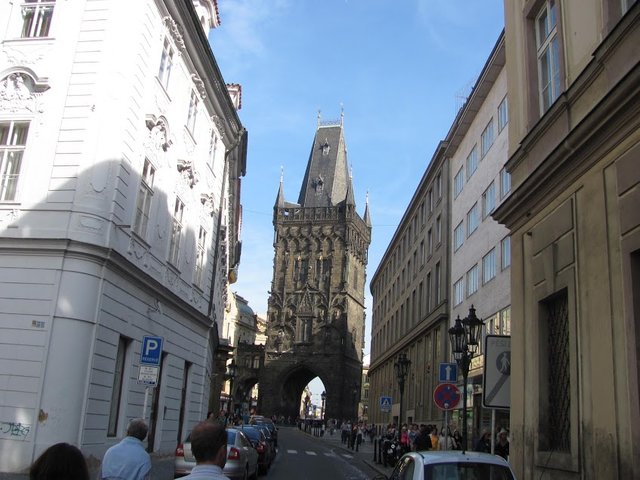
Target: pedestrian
[(209, 447), (457, 438), (502, 445), (60, 461), (434, 437), (359, 435), (128, 458), (423, 440), (484, 442), (445, 442)]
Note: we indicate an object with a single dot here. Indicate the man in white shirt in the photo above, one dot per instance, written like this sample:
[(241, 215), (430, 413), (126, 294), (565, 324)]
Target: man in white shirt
[(209, 446)]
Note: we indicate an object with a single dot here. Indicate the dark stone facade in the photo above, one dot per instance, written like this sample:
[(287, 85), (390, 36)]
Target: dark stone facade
[(316, 304)]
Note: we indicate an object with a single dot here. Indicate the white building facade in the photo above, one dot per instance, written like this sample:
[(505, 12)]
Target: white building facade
[(121, 155), (480, 247)]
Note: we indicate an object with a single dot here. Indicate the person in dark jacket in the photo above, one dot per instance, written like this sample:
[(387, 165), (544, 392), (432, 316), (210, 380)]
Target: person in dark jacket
[(484, 442), (423, 439), (502, 445)]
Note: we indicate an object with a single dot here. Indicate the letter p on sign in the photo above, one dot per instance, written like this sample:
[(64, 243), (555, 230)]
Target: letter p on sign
[(151, 350)]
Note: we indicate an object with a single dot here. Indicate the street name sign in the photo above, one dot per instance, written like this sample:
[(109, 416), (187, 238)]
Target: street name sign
[(385, 404), (448, 373), (446, 396), (497, 372), (151, 350)]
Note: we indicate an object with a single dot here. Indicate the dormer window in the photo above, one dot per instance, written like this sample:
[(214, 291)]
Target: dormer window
[(326, 147)]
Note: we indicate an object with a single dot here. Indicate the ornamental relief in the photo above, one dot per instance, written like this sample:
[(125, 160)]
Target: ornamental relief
[(17, 94), (175, 30), (24, 55)]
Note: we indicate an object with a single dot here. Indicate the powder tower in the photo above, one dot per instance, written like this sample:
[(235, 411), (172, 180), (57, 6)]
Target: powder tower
[(316, 303)]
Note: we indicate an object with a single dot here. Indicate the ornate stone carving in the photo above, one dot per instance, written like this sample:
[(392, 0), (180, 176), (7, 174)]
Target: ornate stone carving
[(199, 85), (17, 94), (158, 138), (187, 171), (175, 30), (207, 202)]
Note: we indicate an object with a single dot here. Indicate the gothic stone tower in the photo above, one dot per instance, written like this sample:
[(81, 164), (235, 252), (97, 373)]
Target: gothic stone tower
[(316, 304)]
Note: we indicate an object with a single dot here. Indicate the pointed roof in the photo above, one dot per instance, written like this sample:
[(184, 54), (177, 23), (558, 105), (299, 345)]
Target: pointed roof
[(367, 216), (280, 196), (326, 180)]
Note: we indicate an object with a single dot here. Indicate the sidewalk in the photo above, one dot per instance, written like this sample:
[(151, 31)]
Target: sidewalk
[(364, 453)]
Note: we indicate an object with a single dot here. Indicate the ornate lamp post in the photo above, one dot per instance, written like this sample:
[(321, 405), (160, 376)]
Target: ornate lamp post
[(465, 338), (402, 368), (232, 371), (323, 396)]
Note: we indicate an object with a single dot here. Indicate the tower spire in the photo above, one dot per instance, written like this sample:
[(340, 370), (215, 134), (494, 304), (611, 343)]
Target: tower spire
[(280, 196), (367, 216)]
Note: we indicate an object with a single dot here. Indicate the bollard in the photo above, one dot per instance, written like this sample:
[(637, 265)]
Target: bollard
[(375, 450)]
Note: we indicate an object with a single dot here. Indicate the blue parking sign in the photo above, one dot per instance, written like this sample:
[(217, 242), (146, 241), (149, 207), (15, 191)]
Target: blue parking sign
[(151, 350)]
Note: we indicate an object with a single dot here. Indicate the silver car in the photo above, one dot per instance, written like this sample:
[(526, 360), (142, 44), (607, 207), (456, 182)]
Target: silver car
[(451, 465), (242, 458)]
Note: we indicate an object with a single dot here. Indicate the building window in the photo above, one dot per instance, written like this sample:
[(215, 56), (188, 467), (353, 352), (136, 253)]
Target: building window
[(422, 258), (183, 399), (505, 252), (116, 387), (472, 280), (548, 52), (145, 194), (503, 114), (37, 16), (505, 183), (458, 236), (458, 292), (439, 186), (193, 112), (555, 379), (428, 293), (489, 266), (13, 141), (166, 63), (430, 200), (439, 230), (488, 200), (473, 219), (429, 242), (438, 283), (472, 161), (486, 139), (458, 182), (176, 232), (200, 256)]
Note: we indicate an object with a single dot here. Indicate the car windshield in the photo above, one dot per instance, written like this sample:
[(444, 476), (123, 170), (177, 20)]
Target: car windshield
[(466, 471), (231, 437)]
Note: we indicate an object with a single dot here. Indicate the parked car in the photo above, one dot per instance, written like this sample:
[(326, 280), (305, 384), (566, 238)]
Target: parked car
[(242, 458), (451, 465), (265, 447), (260, 420)]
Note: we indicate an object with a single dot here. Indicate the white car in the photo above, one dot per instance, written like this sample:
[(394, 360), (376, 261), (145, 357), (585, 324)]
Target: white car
[(242, 458), (451, 465)]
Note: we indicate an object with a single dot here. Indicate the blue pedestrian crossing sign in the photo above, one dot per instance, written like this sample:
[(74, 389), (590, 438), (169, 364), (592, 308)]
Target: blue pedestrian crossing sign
[(385, 404), (448, 373)]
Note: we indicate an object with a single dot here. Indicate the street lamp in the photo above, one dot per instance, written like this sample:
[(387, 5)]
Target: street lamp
[(232, 371), (323, 396), (465, 338), (402, 368)]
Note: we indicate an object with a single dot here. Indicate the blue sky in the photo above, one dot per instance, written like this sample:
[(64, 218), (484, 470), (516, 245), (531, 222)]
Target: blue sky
[(400, 68)]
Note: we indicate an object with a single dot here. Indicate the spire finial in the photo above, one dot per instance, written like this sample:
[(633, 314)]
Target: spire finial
[(366, 198), (341, 114), (281, 173), (351, 171), (319, 117)]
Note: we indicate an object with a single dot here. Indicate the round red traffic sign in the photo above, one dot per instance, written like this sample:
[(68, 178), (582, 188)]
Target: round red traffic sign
[(446, 396)]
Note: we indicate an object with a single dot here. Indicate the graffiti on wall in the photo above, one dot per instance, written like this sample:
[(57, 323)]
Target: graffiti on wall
[(14, 430)]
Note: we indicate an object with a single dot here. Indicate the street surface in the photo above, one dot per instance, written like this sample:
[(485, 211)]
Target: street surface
[(303, 456)]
